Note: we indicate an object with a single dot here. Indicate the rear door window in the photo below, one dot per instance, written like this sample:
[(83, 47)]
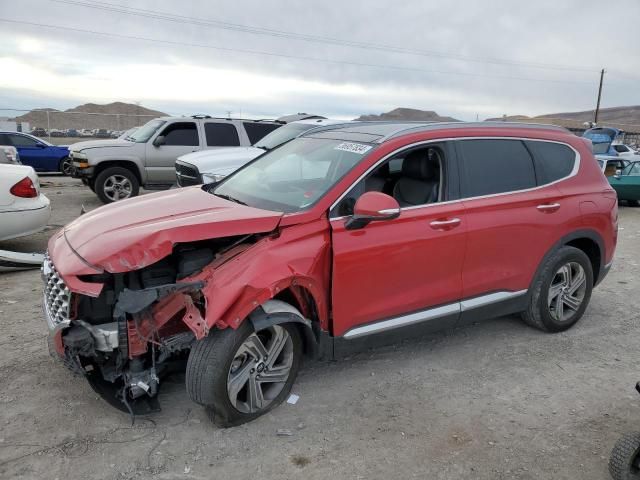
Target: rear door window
[(553, 161), (257, 130), (181, 134), (22, 141), (495, 166), (221, 135)]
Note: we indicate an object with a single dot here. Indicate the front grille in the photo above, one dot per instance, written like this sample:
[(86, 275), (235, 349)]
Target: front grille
[(187, 175), (57, 297)]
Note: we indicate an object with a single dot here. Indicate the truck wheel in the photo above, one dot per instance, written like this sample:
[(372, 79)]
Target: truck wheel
[(624, 463), (116, 183), (241, 374), (561, 292), (66, 167)]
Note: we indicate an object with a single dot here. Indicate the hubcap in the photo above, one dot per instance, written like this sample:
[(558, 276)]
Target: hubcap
[(260, 369), (66, 166), (567, 290), (117, 187)]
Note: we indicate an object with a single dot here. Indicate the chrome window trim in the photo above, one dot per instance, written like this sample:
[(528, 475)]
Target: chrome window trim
[(430, 314), (573, 173)]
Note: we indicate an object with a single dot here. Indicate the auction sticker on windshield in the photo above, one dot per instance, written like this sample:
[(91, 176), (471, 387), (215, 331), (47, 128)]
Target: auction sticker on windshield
[(353, 147)]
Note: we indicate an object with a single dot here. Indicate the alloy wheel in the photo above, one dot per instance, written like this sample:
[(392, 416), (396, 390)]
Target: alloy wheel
[(117, 187), (567, 291), (67, 167), (260, 369)]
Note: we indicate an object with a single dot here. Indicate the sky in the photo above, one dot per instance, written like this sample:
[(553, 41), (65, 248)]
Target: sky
[(462, 58)]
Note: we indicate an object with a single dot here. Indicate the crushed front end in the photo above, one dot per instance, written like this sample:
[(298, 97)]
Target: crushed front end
[(130, 331)]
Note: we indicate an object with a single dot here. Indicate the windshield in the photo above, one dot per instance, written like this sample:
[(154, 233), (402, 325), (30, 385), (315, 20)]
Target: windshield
[(294, 176), (282, 135), (144, 133)]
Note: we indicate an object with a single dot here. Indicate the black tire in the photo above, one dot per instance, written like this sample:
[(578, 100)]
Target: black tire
[(103, 179), (91, 183), (66, 167), (624, 463), (538, 312), (208, 367)]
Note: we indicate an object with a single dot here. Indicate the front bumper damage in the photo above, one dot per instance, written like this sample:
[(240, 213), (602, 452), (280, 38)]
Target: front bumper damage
[(124, 359)]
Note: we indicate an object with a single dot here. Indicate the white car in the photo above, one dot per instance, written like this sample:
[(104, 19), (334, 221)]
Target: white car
[(625, 151), (23, 208), (210, 166)]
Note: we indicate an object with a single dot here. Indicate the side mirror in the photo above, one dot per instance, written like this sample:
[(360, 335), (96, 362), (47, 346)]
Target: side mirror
[(159, 140), (370, 207), (618, 174)]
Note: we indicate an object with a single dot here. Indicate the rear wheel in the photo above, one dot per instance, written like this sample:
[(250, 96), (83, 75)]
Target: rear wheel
[(561, 292), (116, 183), (241, 374), (66, 167), (624, 463)]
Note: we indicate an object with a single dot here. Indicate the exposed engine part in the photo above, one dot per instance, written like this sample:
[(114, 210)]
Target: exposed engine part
[(105, 336), (134, 301), (174, 344), (139, 381)]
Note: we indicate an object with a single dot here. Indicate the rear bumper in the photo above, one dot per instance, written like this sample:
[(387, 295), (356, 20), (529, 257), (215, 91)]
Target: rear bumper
[(19, 223)]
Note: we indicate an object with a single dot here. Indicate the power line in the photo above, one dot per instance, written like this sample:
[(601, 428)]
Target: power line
[(172, 17), (282, 55)]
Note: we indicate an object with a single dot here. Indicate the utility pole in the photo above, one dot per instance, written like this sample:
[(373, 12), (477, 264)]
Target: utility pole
[(595, 117)]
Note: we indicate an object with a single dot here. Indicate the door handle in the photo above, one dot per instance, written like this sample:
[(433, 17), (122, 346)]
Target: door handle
[(548, 207), (444, 224)]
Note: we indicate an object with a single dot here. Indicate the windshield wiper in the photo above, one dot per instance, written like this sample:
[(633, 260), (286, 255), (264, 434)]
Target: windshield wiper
[(266, 149), (231, 199)]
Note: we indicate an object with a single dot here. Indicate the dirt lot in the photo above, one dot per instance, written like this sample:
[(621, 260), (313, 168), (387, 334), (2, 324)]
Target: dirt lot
[(496, 400)]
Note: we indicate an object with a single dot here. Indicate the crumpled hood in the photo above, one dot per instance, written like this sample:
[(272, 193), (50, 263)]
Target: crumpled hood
[(131, 234), (76, 147), (220, 160)]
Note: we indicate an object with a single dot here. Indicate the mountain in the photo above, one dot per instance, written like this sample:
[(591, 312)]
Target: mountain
[(410, 114), (112, 116), (625, 118)]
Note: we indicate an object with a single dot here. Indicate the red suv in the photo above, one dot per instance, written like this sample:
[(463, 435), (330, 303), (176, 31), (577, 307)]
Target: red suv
[(339, 239)]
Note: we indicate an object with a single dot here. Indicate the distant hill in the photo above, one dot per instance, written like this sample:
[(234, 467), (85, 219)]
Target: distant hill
[(112, 116), (624, 118), (409, 114)]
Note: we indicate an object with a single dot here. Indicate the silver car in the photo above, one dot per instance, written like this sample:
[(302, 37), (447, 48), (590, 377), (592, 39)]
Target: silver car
[(116, 169)]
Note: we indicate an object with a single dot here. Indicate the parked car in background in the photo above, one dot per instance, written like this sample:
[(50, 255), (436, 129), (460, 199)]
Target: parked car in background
[(115, 133), (208, 166), (115, 169), (85, 132), (625, 151), (101, 133), (9, 154), (37, 153), (23, 208), (56, 133), (39, 132), (343, 238), (72, 132), (626, 183)]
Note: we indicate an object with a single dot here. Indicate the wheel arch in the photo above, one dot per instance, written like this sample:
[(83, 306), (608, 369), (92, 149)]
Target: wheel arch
[(588, 241)]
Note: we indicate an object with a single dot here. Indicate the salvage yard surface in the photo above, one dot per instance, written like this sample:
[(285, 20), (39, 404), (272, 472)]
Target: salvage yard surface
[(496, 400)]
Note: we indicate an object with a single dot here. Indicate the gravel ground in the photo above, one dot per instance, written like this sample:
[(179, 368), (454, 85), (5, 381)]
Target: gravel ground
[(495, 400)]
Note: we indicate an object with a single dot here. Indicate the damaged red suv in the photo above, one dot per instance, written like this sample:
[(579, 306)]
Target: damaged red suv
[(346, 237)]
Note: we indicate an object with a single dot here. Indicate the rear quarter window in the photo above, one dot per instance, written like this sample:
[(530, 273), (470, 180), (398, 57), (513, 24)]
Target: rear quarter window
[(256, 130), (553, 161), (495, 166)]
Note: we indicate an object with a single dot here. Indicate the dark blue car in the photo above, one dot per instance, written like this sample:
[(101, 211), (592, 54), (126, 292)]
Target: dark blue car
[(37, 153)]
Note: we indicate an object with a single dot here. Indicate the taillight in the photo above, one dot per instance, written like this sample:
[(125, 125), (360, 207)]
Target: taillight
[(24, 189)]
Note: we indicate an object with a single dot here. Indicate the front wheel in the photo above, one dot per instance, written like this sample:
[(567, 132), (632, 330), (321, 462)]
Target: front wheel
[(116, 183), (561, 292), (624, 463), (241, 374), (66, 167)]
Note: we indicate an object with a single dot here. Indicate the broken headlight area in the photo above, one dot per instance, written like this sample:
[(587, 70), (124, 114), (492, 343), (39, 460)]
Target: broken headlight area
[(141, 326)]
